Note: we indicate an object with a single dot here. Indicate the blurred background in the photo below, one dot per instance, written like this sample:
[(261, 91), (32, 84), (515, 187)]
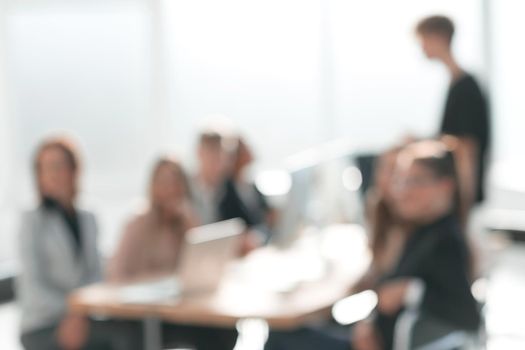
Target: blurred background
[(135, 78)]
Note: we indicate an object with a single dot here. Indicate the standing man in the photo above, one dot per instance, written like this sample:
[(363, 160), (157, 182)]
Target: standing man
[(466, 110)]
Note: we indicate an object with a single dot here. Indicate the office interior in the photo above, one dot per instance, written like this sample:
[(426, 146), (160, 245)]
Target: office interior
[(313, 86)]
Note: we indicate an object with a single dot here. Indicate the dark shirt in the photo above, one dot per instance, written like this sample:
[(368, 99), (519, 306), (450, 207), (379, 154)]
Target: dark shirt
[(70, 219), (232, 205), (466, 115), (438, 255)]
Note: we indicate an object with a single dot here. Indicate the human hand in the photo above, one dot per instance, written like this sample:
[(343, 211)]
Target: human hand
[(73, 332), (391, 296), (365, 337)]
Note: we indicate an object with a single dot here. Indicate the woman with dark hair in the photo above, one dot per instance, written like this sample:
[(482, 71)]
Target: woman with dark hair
[(434, 267), (436, 260), (241, 199), (151, 241), (387, 233), (58, 254), (151, 246)]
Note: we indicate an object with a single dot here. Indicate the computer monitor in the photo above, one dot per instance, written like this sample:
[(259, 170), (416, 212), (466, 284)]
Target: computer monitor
[(365, 162), (295, 211)]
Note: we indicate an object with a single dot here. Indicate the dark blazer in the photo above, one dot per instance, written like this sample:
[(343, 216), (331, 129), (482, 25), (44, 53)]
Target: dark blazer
[(438, 255), (232, 206)]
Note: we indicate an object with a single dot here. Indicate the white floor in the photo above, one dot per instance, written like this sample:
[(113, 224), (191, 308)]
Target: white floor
[(9, 317), (505, 301), (505, 310)]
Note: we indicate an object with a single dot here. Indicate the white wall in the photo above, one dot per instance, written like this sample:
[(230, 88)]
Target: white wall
[(508, 84), (290, 73), (84, 69), (384, 86), (6, 211), (268, 66), (256, 62), (4, 135)]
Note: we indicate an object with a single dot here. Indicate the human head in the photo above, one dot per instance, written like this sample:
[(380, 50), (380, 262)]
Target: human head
[(168, 186), (212, 157), (57, 166), (435, 34), (425, 184)]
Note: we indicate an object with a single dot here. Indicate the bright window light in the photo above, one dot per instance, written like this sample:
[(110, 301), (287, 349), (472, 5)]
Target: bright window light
[(355, 307), (274, 182), (352, 178)]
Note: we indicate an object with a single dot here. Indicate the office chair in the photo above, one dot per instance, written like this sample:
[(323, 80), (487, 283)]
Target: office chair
[(408, 337)]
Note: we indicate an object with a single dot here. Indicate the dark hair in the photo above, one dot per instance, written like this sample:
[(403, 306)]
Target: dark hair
[(68, 149), (440, 25), (379, 212)]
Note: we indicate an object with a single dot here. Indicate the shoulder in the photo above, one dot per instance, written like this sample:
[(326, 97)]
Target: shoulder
[(32, 218), (449, 237), (86, 214), (31, 214), (194, 182), (197, 189), (256, 189), (136, 224), (442, 232), (88, 221), (229, 190), (230, 185), (32, 226), (468, 83)]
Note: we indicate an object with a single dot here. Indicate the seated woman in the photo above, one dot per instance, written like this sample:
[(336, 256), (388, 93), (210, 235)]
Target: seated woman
[(58, 254), (152, 240), (242, 199), (151, 245), (387, 232), (434, 256), (387, 236)]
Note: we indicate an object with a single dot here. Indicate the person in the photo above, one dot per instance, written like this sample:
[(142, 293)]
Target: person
[(58, 254), (387, 232), (436, 254), (207, 184), (387, 237), (466, 112), (152, 243), (242, 199), (152, 240), (434, 264)]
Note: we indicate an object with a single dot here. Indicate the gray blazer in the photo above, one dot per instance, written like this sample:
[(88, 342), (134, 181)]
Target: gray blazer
[(49, 269)]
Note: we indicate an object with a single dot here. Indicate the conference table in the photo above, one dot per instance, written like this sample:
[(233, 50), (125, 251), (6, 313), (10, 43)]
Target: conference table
[(286, 287)]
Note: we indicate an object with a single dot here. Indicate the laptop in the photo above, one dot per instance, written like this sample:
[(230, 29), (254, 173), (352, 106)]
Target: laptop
[(206, 252)]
